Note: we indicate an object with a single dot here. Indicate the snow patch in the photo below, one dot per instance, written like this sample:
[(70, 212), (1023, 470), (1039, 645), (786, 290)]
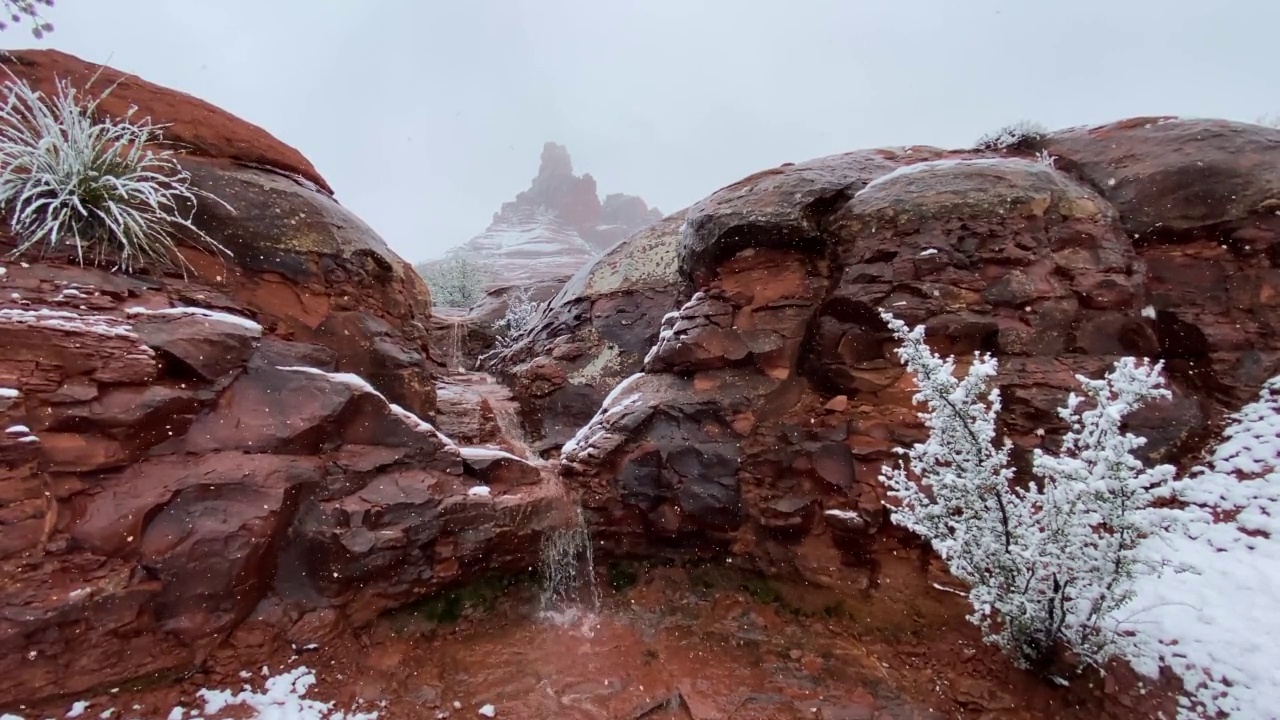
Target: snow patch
[(935, 164), (9, 393), (1212, 619), (480, 491), (282, 698), (488, 711), (361, 385), (609, 409), (229, 318), (17, 430), (1149, 312), (104, 325), (78, 708), (484, 453)]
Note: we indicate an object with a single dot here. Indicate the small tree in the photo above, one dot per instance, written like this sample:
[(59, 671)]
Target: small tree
[(17, 11), (1047, 564), (521, 312), (454, 282)]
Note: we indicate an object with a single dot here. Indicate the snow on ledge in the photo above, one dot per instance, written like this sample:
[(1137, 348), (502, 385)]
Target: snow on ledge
[(10, 393), (361, 385), (480, 491), (486, 453), (103, 325), (609, 409), (229, 318), (935, 164)]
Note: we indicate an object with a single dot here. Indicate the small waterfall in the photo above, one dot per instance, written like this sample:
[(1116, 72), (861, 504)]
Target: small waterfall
[(506, 416), (569, 590), (455, 343)]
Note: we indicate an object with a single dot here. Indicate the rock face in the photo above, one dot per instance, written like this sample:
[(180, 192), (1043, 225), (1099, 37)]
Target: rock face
[(771, 398), (555, 227), (244, 456), (594, 333)]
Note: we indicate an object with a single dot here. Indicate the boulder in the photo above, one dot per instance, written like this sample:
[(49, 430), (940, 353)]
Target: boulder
[(237, 457), (771, 397), (593, 333)]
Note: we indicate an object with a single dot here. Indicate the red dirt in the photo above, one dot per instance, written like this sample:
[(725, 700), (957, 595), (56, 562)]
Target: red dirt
[(702, 644)]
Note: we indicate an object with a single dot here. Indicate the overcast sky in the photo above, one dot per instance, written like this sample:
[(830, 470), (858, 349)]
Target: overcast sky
[(425, 116)]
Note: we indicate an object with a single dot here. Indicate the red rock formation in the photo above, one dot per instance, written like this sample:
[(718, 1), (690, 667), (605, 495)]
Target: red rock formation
[(555, 227), (771, 398), (203, 129), (192, 462), (594, 333)]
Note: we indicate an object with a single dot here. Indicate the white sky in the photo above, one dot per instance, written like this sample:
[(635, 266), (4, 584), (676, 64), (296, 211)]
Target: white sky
[(425, 116)]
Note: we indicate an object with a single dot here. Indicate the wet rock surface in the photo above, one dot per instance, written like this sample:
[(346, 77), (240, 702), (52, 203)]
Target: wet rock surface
[(236, 458), (771, 397)]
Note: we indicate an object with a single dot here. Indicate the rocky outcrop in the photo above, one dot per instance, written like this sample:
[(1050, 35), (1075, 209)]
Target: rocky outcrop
[(771, 398), (594, 333), (244, 456), (462, 337), (200, 128), (553, 228)]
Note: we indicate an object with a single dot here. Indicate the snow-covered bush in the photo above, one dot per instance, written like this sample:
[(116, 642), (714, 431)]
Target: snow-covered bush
[(521, 312), (1047, 562), (1022, 135), (455, 282), (16, 11), (71, 178)]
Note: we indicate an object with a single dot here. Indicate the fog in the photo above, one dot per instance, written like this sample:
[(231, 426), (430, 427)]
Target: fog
[(426, 116)]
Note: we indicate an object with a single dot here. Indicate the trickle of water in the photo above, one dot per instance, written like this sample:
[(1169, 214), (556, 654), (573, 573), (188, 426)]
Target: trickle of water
[(455, 344), (569, 590)]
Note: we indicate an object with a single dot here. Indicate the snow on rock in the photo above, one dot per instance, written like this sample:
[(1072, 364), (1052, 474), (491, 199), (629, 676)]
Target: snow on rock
[(9, 393), (17, 430), (243, 322), (1212, 618), (935, 164), (105, 325), (611, 408), (282, 699), (488, 711), (480, 491), (485, 453), (362, 386), (77, 708)]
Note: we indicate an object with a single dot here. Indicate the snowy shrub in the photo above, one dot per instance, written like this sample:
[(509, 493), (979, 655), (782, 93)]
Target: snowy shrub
[(1046, 563), (521, 312), (1022, 135), (455, 282), (68, 178), (16, 11)]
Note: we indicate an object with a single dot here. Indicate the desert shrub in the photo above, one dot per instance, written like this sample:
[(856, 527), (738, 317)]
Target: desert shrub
[(454, 282), (108, 187), (18, 11), (521, 313), (1047, 563), (1022, 135)]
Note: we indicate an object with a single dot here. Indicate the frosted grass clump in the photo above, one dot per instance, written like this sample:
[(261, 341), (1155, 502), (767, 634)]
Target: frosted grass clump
[(71, 178)]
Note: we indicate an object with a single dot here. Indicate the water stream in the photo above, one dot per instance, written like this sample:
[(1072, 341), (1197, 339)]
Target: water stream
[(570, 593)]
